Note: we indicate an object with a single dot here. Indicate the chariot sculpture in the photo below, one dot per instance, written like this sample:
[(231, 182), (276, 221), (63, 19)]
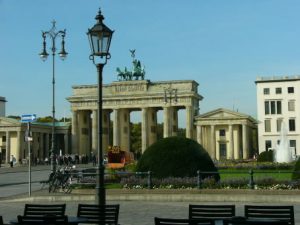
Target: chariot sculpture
[(137, 73)]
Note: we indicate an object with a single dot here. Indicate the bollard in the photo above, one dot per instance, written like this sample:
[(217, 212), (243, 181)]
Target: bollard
[(251, 181), (149, 180), (199, 180)]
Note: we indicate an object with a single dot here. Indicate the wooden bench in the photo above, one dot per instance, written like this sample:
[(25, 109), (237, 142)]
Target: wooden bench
[(44, 209), (99, 214), (45, 220), (211, 211), (282, 213), (172, 221)]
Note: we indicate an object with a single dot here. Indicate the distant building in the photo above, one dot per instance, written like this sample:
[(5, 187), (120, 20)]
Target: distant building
[(227, 134), (278, 100), (2, 106), (12, 139)]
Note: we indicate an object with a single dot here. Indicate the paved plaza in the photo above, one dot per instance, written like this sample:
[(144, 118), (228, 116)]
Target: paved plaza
[(137, 207)]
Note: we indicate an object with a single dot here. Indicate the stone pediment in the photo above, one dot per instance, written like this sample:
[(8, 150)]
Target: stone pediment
[(222, 114), (4, 121)]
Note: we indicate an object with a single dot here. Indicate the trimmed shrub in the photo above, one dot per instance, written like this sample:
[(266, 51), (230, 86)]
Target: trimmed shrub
[(296, 173), (176, 157), (266, 156)]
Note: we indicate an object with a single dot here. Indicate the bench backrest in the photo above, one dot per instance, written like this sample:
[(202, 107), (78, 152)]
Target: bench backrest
[(45, 220), (99, 214), (211, 211), (43, 209), (172, 221), (283, 213)]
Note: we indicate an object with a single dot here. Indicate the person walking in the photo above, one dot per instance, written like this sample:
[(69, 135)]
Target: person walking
[(11, 161)]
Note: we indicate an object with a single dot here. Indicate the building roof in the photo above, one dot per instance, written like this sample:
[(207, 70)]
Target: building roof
[(2, 99), (221, 114), (277, 79)]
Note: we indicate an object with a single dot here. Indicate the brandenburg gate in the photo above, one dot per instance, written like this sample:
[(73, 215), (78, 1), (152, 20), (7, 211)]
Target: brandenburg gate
[(123, 97)]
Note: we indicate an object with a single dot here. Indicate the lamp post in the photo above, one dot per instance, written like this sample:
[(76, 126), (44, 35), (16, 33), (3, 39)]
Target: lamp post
[(100, 37), (53, 34)]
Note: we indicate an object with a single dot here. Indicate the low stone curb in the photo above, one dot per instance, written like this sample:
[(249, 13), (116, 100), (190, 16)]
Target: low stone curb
[(175, 195)]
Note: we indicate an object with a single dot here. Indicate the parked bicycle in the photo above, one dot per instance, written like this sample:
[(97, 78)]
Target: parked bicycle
[(61, 179)]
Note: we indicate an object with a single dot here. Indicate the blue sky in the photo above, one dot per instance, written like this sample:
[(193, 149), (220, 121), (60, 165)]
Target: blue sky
[(223, 45)]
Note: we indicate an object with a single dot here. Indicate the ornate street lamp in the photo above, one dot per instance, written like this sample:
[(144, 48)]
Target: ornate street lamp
[(52, 34), (100, 37)]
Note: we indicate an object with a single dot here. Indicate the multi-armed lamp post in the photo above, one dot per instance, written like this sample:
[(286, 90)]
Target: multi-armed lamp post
[(100, 38), (52, 34)]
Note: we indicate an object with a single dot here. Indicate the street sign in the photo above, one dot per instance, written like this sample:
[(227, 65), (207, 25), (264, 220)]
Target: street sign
[(28, 118)]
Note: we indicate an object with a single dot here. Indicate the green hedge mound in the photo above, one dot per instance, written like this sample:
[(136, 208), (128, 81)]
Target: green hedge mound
[(266, 156), (296, 172), (176, 157)]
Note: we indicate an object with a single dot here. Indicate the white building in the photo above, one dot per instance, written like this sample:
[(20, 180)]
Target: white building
[(2, 106), (227, 134), (278, 100)]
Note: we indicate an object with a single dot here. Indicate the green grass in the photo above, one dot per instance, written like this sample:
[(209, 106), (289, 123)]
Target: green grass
[(244, 173)]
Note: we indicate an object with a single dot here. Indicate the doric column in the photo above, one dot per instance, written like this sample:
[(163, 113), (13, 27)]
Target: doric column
[(18, 146), (47, 145), (212, 142), (245, 145), (144, 129), (8, 153), (74, 134), (94, 131), (174, 119), (230, 147), (124, 128), (152, 126), (189, 121), (167, 131), (199, 134), (105, 130), (84, 146), (116, 128)]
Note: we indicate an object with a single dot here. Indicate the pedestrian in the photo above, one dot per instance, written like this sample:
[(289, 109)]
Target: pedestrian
[(11, 161)]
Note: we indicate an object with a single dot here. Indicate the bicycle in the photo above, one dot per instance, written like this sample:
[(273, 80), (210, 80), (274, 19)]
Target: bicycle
[(61, 179)]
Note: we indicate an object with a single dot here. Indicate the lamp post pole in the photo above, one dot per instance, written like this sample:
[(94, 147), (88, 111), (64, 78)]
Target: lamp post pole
[(101, 199), (100, 37), (53, 34)]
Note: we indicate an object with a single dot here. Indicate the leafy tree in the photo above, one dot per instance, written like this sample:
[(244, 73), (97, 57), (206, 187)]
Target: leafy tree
[(135, 139), (47, 119), (14, 117), (65, 119)]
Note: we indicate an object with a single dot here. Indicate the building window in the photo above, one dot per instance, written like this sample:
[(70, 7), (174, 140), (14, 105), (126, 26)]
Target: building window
[(293, 145), (278, 107), (223, 150), (222, 133), (273, 107), (278, 91), (267, 107), (292, 125), (291, 105), (267, 125), (268, 145), (279, 122), (266, 91), (3, 138), (290, 90)]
